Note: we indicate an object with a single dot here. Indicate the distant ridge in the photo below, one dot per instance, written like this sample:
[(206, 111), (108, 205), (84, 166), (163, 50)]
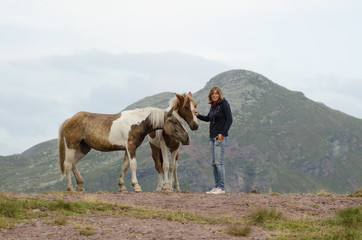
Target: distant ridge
[(280, 141)]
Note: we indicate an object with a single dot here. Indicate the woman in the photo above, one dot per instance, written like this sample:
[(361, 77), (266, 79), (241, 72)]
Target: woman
[(220, 119)]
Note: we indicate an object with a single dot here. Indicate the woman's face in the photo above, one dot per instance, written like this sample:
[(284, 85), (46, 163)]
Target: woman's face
[(215, 96)]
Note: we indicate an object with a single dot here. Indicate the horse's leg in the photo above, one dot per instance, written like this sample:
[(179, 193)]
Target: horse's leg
[(133, 164), (160, 184), (125, 166), (173, 171), (158, 166), (165, 167), (68, 164), (79, 154), (176, 184), (156, 156)]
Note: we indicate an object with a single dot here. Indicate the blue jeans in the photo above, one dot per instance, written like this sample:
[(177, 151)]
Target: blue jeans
[(217, 153)]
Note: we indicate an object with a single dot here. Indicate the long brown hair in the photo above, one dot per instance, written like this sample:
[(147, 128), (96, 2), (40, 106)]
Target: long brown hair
[(218, 91)]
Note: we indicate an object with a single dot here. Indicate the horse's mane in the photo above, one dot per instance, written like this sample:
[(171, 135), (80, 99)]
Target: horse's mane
[(173, 101), (157, 117)]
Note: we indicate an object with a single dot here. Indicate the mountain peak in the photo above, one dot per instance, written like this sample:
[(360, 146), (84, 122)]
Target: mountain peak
[(238, 77)]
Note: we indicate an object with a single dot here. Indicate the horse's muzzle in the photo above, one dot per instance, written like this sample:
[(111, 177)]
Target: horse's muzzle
[(194, 126), (186, 141)]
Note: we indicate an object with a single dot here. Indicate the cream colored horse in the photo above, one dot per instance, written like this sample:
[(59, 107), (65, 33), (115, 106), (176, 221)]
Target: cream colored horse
[(161, 142)]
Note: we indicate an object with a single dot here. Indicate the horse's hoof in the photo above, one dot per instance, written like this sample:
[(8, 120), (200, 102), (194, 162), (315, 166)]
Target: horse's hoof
[(159, 189), (178, 190), (123, 190), (80, 189), (137, 190), (168, 190)]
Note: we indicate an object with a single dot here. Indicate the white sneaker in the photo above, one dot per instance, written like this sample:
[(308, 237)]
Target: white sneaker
[(218, 191), (211, 191)]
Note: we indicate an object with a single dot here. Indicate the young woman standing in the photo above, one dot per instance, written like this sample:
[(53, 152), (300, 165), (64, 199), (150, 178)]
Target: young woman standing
[(220, 119)]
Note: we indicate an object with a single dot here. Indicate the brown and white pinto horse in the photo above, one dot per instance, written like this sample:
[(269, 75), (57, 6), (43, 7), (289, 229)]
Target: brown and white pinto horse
[(112, 132), (161, 142)]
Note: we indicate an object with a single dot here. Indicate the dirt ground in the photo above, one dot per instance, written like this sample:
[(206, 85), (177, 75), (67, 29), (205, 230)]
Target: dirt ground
[(230, 204)]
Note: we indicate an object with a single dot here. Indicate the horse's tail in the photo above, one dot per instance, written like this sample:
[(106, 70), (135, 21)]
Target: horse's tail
[(61, 148)]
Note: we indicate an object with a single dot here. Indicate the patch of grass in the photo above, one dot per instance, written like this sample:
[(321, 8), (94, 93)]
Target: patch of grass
[(238, 230), (350, 217), (358, 193), (3, 223), (298, 229), (324, 193), (12, 208), (53, 193), (346, 224), (347, 234), (15, 209), (89, 227), (186, 191), (61, 220), (260, 216), (349, 221), (77, 227), (104, 207), (60, 205), (274, 194), (136, 235), (86, 230), (313, 213)]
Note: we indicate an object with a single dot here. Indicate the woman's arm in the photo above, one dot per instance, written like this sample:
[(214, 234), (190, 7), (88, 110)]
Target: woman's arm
[(229, 118), (201, 117)]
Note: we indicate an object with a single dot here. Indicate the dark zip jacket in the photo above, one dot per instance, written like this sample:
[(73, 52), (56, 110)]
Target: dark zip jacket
[(220, 118)]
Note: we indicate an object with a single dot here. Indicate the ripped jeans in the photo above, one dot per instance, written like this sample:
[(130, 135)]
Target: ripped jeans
[(217, 153)]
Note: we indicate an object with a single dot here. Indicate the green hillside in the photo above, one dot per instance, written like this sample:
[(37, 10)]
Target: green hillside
[(280, 141)]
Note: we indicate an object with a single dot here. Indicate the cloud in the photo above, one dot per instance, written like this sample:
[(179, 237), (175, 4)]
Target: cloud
[(337, 92), (7, 146), (37, 95), (27, 120), (104, 55)]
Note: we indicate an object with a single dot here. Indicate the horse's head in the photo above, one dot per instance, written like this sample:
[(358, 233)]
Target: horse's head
[(184, 106), (175, 129)]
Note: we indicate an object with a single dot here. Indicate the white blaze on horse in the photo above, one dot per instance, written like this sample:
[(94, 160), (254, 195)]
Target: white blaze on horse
[(112, 132), (161, 142)]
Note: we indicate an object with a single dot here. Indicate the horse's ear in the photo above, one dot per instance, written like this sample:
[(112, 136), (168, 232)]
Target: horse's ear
[(169, 114), (178, 95), (190, 94), (179, 102)]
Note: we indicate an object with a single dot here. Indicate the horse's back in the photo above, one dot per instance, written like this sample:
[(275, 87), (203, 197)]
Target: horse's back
[(87, 120), (91, 128)]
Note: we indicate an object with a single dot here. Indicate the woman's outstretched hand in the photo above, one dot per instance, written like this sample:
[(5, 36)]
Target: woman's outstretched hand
[(194, 111)]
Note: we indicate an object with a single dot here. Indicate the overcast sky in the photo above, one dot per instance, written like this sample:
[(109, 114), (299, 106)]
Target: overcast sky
[(59, 57)]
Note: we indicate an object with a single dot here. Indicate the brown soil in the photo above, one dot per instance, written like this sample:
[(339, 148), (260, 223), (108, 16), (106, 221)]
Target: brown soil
[(230, 204)]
